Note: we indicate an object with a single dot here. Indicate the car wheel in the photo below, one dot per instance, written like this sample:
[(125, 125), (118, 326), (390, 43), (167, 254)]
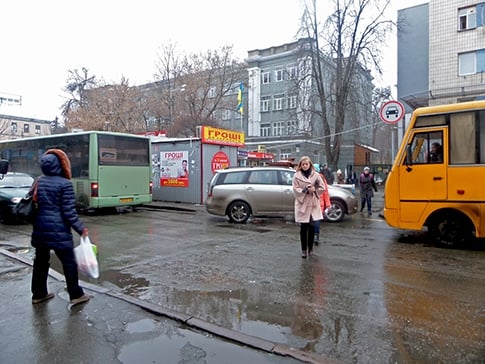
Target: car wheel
[(238, 212), (336, 212)]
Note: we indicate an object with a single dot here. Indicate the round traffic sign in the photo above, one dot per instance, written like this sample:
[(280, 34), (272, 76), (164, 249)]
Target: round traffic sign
[(392, 112)]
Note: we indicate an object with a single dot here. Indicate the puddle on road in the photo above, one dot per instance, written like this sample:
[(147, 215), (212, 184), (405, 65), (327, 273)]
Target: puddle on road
[(185, 346), (145, 325), (128, 284)]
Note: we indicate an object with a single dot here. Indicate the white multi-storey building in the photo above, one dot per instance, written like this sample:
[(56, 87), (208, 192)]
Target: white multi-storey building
[(441, 52)]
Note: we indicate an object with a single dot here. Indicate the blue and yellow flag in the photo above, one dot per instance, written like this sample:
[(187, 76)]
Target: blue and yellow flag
[(240, 108)]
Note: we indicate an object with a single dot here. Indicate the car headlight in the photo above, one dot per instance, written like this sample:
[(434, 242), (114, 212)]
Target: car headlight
[(15, 199)]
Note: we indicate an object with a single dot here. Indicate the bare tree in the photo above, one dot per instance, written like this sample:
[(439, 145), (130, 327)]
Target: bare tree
[(161, 95), (95, 106), (193, 88), (351, 39), (78, 82)]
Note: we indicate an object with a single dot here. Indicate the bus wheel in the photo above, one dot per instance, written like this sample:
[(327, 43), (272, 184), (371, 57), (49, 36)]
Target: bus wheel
[(452, 229)]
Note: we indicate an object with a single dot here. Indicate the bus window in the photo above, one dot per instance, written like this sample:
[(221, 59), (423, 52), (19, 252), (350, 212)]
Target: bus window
[(464, 146), (430, 120), (119, 151), (427, 148)]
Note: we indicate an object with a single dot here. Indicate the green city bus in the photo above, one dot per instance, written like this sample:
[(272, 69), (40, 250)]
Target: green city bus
[(108, 169)]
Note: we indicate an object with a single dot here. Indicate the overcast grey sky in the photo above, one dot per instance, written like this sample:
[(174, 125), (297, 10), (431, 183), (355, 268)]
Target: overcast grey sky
[(42, 40)]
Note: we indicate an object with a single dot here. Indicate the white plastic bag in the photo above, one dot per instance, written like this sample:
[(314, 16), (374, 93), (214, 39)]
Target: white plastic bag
[(85, 258)]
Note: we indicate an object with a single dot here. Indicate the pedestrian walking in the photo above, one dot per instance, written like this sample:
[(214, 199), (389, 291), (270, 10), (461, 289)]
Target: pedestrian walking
[(56, 215), (367, 188), (307, 187)]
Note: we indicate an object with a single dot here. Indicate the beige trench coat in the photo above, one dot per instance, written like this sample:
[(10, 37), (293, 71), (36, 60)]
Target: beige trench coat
[(307, 204)]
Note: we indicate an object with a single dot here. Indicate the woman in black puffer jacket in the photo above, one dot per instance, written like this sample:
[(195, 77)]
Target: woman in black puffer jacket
[(55, 217)]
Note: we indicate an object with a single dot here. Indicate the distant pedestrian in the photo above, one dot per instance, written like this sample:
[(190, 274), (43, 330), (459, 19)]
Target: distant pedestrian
[(367, 188), (328, 174), (340, 177), (352, 179), (55, 217), (307, 187)]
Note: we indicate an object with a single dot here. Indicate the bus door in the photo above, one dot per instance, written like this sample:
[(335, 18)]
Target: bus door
[(423, 172)]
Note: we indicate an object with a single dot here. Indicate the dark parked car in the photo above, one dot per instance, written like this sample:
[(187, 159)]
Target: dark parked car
[(13, 186), (266, 191)]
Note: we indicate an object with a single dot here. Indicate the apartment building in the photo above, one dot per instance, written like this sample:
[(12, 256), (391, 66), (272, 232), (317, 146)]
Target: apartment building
[(16, 127), (281, 118)]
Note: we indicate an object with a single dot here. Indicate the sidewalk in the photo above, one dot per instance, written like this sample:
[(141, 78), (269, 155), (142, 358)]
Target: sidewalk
[(115, 328)]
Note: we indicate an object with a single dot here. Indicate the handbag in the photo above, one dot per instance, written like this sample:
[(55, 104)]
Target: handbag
[(26, 208), (85, 257)]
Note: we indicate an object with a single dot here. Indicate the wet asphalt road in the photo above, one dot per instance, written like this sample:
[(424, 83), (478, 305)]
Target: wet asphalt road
[(366, 296)]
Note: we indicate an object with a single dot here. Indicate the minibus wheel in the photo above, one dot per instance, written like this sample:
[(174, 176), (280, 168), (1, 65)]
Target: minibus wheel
[(451, 228)]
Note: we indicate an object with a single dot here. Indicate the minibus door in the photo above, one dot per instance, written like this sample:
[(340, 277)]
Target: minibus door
[(421, 180)]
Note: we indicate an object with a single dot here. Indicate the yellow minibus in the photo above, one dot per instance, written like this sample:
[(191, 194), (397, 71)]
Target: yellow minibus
[(437, 180)]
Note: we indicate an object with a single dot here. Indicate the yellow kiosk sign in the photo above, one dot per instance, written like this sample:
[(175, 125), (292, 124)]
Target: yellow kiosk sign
[(209, 135)]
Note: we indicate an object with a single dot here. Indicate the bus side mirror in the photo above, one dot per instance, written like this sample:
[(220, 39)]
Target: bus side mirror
[(3, 167), (409, 157)]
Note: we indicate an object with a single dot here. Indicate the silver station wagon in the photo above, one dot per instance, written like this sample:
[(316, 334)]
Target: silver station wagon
[(239, 193)]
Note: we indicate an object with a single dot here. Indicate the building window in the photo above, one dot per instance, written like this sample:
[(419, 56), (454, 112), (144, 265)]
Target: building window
[(292, 127), (226, 114), (265, 100), (37, 129), (279, 128), (292, 71), (278, 75), (14, 127), (265, 130), (26, 128), (278, 102), (285, 154), (467, 18), (471, 62), (292, 102), (265, 77), (212, 92)]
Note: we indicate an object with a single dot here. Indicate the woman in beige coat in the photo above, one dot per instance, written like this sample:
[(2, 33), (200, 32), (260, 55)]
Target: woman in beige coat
[(307, 187)]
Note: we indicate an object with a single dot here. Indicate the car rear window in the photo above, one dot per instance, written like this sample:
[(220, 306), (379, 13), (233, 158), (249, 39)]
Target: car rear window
[(287, 178)]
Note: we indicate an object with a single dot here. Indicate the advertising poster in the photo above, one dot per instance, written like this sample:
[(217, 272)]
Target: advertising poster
[(220, 160), (174, 169)]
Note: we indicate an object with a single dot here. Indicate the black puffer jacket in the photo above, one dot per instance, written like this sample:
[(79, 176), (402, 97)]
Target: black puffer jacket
[(56, 204)]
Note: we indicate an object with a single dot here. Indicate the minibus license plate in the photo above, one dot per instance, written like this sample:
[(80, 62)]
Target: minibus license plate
[(128, 199)]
